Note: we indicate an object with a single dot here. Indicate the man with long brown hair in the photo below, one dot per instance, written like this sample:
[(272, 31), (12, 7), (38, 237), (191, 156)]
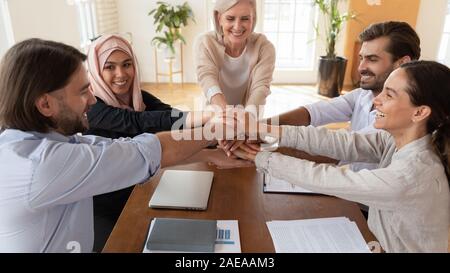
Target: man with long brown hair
[(48, 172)]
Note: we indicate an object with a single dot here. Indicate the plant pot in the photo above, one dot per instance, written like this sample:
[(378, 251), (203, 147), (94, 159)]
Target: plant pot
[(331, 76), (166, 52)]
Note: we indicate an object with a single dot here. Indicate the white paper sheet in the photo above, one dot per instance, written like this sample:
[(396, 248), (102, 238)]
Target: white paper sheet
[(272, 184), (326, 235)]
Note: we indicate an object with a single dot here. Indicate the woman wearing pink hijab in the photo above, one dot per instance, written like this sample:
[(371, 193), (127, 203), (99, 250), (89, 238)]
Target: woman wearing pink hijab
[(124, 110)]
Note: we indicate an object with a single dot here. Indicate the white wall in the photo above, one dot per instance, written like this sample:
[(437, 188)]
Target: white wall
[(430, 25), (133, 18), (3, 36), (47, 19), (56, 20), (3, 41)]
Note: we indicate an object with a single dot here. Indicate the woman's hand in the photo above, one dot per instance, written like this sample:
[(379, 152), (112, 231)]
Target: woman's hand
[(198, 118), (246, 145), (222, 161), (244, 155), (221, 127), (219, 100), (236, 125)]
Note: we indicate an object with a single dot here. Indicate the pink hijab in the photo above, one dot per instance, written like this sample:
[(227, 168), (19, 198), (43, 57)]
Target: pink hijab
[(98, 54)]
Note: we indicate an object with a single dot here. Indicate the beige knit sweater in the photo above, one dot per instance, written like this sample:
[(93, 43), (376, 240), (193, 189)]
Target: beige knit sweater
[(210, 54)]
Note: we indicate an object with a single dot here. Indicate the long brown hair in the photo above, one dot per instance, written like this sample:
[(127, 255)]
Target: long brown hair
[(429, 84), (28, 70)]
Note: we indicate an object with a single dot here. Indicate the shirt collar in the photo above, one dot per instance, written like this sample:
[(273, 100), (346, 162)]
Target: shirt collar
[(415, 146), (22, 135), (55, 136), (367, 101)]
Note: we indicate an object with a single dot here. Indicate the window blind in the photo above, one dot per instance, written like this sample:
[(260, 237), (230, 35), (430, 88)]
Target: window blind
[(107, 16)]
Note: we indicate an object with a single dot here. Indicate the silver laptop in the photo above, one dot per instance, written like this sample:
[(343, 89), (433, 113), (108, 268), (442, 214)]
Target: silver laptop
[(182, 190)]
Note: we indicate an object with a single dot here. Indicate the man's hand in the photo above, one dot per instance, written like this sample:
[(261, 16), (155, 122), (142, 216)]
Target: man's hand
[(246, 145), (235, 128)]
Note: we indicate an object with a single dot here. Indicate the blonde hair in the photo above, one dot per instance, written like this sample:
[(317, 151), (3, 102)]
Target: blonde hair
[(222, 6)]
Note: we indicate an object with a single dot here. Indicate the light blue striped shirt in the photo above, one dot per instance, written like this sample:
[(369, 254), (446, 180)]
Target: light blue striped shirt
[(356, 107), (47, 182)]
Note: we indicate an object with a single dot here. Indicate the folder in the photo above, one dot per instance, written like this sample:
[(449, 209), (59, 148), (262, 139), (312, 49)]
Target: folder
[(189, 235)]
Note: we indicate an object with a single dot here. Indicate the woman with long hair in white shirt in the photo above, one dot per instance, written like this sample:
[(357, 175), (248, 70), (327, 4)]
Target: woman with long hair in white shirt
[(408, 195)]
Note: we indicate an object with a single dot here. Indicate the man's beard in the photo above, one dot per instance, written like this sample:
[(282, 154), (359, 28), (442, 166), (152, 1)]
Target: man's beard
[(68, 122), (377, 85)]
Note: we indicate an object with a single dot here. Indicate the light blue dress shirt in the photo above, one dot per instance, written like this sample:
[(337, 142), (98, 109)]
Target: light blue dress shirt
[(47, 182), (356, 107)]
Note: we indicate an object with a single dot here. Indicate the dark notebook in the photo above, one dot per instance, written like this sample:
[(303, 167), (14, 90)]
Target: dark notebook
[(190, 235)]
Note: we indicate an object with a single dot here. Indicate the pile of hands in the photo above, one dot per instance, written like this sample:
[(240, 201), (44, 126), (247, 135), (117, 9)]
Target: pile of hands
[(239, 137)]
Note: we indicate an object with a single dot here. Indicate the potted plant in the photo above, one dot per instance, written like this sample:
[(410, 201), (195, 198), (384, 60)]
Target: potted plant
[(331, 66), (169, 20)]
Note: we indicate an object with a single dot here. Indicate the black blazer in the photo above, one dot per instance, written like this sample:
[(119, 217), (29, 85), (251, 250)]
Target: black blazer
[(113, 122)]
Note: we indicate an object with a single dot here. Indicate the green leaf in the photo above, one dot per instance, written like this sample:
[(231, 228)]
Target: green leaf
[(182, 39), (167, 17), (176, 21), (334, 21)]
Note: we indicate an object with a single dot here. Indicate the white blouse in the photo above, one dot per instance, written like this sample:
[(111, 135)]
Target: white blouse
[(408, 196), (234, 76)]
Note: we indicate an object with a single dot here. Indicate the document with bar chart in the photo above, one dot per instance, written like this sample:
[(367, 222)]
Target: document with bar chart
[(228, 240)]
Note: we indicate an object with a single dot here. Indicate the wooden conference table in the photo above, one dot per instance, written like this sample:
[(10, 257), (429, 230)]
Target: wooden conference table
[(236, 194)]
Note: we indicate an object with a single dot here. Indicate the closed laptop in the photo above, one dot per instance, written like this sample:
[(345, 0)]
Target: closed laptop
[(183, 190)]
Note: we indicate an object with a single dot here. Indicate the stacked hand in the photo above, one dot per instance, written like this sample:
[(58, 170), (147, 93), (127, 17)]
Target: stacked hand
[(218, 158), (224, 125), (238, 132), (244, 149)]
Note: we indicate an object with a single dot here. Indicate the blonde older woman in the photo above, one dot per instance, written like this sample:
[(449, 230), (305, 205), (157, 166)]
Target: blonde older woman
[(235, 64)]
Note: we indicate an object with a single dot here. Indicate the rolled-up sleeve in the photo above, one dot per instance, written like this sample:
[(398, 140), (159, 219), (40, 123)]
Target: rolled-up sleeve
[(262, 161), (212, 91), (338, 109)]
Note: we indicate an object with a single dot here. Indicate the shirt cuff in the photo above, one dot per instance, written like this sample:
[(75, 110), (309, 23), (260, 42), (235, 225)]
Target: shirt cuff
[(262, 161), (212, 92), (287, 136), (312, 114), (252, 109), (153, 150), (179, 115)]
